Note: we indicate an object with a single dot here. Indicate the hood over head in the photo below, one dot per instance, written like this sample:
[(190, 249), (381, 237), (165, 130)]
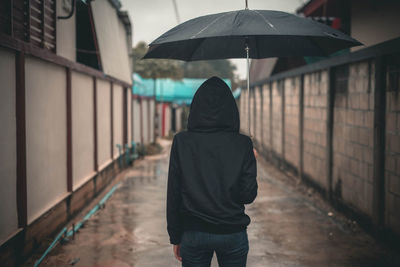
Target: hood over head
[(213, 108)]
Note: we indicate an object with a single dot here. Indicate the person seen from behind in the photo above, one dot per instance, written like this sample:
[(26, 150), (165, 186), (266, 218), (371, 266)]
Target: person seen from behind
[(212, 175)]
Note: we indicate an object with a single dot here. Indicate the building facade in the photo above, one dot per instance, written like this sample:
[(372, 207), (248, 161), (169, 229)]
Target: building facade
[(66, 101)]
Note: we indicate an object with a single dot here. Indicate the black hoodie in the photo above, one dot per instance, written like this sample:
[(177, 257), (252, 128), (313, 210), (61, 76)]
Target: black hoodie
[(212, 168)]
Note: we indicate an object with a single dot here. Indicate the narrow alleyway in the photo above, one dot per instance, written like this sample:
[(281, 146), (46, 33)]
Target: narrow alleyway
[(289, 227)]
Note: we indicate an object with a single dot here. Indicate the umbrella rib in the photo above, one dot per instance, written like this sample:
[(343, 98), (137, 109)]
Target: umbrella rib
[(265, 20), (207, 26)]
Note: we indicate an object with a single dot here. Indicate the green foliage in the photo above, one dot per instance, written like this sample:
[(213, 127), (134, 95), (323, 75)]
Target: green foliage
[(204, 69), (166, 68), (155, 68)]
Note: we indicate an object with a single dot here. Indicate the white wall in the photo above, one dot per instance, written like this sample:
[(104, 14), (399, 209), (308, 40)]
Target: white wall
[(118, 118), (8, 154), (159, 110), (136, 120), (145, 120), (82, 128), (151, 120), (167, 119), (66, 33), (45, 135), (103, 123), (179, 119), (243, 111), (129, 104), (112, 41)]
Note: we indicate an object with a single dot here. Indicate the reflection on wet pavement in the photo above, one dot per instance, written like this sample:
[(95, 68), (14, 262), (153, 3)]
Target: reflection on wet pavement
[(287, 228)]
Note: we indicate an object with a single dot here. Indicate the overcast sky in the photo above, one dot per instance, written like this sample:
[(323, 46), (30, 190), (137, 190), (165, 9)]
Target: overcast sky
[(151, 18)]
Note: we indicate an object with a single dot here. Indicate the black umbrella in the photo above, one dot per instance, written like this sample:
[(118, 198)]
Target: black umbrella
[(248, 34)]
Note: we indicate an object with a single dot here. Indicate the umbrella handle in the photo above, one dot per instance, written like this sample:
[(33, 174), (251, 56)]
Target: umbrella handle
[(248, 87)]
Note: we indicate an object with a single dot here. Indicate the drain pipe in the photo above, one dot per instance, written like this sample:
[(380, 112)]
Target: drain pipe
[(71, 12), (64, 233)]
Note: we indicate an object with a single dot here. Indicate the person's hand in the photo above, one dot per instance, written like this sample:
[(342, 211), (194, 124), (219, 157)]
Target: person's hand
[(255, 153), (177, 252)]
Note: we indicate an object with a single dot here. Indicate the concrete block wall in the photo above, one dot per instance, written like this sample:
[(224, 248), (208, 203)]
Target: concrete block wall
[(253, 113), (277, 90), (258, 115), (353, 135), (315, 116), (337, 125), (392, 148), (291, 113), (266, 122), (243, 111), (58, 142)]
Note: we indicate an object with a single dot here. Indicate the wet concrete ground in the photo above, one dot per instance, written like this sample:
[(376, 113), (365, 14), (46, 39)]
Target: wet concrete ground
[(288, 228)]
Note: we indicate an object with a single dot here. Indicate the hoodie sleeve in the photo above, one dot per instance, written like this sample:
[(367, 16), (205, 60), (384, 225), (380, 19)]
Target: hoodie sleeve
[(248, 181), (174, 198)]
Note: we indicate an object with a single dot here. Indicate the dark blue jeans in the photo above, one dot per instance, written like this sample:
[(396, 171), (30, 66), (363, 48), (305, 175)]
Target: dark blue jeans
[(197, 249)]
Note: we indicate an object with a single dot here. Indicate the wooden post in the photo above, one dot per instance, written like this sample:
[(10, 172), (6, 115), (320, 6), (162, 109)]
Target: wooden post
[(95, 158), (271, 123), (329, 129), (301, 127), (262, 117), (148, 120), (112, 118), (378, 209), (69, 130), (130, 101), (141, 120), (21, 138), (125, 117), (254, 102), (282, 88)]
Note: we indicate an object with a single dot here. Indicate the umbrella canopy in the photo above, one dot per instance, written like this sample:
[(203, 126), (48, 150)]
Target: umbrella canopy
[(266, 33), (248, 34)]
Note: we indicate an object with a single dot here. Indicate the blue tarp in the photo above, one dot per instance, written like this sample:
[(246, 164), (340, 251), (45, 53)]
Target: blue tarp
[(168, 90)]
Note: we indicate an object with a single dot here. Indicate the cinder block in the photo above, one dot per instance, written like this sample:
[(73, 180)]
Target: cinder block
[(398, 122), (368, 155), (340, 101), (391, 124), (359, 118), (370, 173), (394, 103), (395, 143), (371, 101), (363, 171), (369, 119), (394, 222), (364, 101), (368, 196), (363, 135), (354, 101), (394, 184), (358, 152), (350, 117), (355, 167), (398, 164), (393, 204), (390, 163)]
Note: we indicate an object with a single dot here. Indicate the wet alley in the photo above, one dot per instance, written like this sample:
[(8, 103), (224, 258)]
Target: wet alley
[(291, 226)]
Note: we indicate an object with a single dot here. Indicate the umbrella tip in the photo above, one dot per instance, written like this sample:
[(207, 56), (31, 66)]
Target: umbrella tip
[(247, 6)]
